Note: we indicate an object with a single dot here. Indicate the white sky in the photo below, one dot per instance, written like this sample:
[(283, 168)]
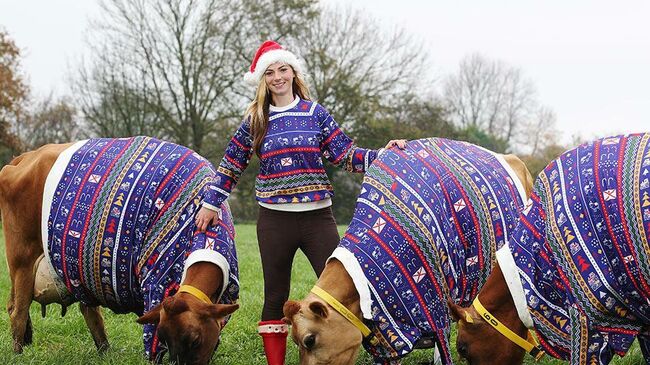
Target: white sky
[(589, 59)]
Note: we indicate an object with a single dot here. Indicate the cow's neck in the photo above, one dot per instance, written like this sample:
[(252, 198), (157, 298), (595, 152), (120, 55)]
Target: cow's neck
[(337, 282), (496, 298), (206, 277)]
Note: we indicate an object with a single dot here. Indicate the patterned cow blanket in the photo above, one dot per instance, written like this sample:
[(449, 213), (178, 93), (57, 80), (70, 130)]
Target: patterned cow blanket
[(582, 254), (426, 227), (118, 224)]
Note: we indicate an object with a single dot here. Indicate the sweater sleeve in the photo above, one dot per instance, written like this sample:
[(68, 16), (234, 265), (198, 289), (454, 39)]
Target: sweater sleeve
[(340, 149), (234, 162)]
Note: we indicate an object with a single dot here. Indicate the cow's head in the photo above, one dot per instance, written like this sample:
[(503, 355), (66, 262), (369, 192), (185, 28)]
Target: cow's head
[(321, 333), (479, 343), (188, 327)]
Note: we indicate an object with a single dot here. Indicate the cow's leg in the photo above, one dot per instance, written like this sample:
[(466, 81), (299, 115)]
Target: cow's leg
[(95, 323), (644, 343), (23, 288), (10, 302), (22, 252), (28, 329)]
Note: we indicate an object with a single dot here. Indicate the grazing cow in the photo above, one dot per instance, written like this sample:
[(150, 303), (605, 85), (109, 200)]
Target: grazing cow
[(110, 222), (576, 268), (427, 223)]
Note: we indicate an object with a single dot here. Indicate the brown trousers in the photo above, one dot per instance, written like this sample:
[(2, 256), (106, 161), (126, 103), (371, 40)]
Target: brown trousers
[(279, 236)]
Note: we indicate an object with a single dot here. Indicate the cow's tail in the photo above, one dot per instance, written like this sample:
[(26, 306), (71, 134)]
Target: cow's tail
[(4, 174), (522, 172)]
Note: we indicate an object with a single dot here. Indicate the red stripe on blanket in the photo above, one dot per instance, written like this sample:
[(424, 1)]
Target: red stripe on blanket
[(171, 172), (176, 194)]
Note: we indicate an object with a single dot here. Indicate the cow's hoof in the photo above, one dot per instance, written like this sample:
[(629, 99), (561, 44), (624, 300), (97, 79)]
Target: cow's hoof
[(102, 348), (18, 347)]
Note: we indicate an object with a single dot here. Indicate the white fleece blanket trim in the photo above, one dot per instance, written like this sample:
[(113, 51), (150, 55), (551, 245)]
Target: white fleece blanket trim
[(51, 182), (353, 268), (206, 255), (511, 275)]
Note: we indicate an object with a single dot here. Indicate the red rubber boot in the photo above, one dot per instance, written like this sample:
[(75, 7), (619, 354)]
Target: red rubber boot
[(274, 334)]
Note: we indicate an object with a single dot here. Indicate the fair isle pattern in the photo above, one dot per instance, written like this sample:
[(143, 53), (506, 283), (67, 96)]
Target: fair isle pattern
[(582, 250), (426, 226), (122, 224), (291, 167)]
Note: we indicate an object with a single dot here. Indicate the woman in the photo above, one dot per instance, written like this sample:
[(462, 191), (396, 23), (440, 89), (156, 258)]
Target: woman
[(289, 133)]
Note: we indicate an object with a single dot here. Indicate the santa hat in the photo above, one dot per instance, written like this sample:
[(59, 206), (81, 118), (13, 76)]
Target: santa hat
[(269, 53)]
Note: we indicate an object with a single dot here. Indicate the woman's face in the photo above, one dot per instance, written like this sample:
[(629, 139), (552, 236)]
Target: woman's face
[(279, 79)]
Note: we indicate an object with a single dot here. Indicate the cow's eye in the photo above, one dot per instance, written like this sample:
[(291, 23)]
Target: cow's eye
[(196, 343), (309, 341)]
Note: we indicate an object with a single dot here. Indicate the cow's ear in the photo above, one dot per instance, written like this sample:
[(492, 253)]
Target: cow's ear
[(459, 313), (319, 309), (175, 305), (222, 310), (290, 309), (152, 316)]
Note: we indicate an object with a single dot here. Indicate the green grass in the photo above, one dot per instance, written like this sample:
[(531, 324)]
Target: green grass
[(67, 341)]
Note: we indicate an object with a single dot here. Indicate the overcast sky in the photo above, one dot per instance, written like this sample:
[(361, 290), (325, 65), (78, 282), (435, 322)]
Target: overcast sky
[(589, 59)]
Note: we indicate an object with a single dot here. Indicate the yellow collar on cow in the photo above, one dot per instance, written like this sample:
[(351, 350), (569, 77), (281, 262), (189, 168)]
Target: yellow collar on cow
[(196, 292), (365, 331), (530, 345)]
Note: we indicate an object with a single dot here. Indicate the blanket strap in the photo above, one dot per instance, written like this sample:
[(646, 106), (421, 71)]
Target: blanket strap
[(365, 331), (196, 292), (530, 345)]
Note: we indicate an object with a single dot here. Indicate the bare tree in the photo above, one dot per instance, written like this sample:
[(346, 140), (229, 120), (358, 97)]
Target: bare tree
[(115, 100), (542, 132), (491, 96), (159, 66), (13, 96), (52, 121), (360, 70), (173, 68)]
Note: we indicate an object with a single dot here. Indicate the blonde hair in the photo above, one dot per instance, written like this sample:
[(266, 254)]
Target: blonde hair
[(258, 109)]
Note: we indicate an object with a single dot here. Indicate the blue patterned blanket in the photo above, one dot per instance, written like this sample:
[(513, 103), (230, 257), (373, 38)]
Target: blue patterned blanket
[(582, 251), (118, 224), (426, 227)]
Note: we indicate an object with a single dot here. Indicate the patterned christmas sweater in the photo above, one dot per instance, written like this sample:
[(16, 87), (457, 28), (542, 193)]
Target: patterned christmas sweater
[(426, 227), (118, 224), (291, 167), (582, 254)]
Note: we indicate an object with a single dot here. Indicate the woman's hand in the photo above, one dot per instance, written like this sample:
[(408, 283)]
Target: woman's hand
[(205, 217), (401, 143)]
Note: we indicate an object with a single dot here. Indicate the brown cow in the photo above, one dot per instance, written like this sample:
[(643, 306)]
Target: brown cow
[(187, 323), (391, 202)]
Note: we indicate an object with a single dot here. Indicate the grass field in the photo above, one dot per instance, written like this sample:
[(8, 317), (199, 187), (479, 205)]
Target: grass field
[(67, 341)]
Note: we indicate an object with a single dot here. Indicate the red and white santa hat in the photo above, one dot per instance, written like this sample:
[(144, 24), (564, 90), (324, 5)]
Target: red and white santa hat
[(269, 53)]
